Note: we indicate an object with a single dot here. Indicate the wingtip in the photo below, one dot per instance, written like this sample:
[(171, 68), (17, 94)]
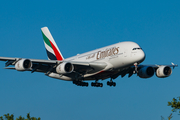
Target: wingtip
[(44, 27), (174, 64)]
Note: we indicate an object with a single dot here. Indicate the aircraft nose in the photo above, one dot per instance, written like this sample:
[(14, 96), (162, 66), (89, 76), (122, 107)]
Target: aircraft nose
[(141, 56)]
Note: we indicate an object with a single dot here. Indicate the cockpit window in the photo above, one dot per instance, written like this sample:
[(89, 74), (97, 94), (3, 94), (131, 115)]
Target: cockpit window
[(137, 48)]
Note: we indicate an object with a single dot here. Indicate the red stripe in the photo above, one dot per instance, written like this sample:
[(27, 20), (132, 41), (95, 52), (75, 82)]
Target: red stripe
[(57, 54)]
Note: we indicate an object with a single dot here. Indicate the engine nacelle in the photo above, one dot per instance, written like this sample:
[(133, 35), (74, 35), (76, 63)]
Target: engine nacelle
[(23, 65), (65, 67), (163, 71), (146, 72)]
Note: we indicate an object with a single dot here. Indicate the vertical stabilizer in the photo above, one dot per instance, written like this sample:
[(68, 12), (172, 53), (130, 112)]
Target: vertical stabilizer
[(52, 49)]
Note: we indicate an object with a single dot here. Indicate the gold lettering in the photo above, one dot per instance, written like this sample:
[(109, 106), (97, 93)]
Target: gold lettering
[(106, 53), (117, 50), (110, 52), (98, 57), (113, 50)]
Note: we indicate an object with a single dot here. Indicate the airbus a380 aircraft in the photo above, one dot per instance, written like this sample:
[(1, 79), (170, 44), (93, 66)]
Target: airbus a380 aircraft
[(107, 62)]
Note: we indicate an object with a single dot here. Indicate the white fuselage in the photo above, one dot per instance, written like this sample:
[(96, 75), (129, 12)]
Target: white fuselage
[(117, 56)]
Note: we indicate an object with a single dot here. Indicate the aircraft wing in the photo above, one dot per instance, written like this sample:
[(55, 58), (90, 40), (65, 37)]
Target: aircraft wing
[(156, 65), (144, 70), (47, 66), (38, 65)]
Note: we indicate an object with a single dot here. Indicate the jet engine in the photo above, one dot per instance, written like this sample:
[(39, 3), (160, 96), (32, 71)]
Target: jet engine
[(146, 72), (23, 65), (65, 67), (163, 71)]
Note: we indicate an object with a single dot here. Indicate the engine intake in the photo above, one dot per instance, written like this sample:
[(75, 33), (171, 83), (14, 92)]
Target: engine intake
[(65, 67), (146, 72), (163, 71), (23, 65)]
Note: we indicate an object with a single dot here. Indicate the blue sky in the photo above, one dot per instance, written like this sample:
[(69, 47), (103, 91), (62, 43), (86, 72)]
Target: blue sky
[(80, 26)]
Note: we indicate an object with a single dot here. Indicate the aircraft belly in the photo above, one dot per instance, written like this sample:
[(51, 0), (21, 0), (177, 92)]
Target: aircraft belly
[(100, 75)]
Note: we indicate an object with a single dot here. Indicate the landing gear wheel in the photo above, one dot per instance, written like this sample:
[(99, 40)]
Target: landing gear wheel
[(108, 83), (96, 84), (101, 85), (111, 83), (80, 83)]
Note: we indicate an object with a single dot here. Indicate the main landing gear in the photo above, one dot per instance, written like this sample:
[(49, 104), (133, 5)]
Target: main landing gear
[(80, 83), (111, 83), (93, 84), (96, 84)]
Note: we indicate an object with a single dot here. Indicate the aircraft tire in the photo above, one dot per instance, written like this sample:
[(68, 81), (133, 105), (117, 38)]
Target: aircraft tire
[(114, 84)]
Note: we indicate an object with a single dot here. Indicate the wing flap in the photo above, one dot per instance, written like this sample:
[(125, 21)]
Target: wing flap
[(88, 67), (10, 68)]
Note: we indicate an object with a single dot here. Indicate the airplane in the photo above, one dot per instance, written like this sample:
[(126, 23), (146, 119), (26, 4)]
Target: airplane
[(108, 62)]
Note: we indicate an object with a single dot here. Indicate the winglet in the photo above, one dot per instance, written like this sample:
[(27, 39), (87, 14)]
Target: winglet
[(52, 49)]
